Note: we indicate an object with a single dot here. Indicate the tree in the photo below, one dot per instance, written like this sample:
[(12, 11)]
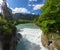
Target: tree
[(49, 20), (6, 26)]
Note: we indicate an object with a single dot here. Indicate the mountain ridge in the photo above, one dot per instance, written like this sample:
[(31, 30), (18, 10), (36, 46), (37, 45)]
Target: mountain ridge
[(18, 16)]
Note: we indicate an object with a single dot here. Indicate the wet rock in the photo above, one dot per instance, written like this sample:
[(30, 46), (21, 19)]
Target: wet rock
[(19, 36)]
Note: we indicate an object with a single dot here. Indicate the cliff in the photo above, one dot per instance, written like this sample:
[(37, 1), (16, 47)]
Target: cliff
[(6, 12), (8, 41), (50, 44)]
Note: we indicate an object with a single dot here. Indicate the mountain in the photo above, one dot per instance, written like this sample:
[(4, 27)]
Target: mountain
[(17, 16)]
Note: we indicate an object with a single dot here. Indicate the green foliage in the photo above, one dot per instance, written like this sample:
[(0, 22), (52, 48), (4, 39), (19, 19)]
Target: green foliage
[(49, 20), (54, 35), (6, 26), (24, 21), (15, 22), (57, 46)]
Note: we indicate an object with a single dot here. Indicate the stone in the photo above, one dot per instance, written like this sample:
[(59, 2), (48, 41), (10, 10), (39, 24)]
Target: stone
[(6, 12)]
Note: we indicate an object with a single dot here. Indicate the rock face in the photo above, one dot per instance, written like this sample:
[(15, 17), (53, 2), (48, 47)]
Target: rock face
[(44, 40), (9, 42), (49, 44), (6, 12), (0, 45)]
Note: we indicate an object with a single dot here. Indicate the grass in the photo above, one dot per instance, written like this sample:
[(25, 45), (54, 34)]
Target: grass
[(53, 35), (57, 46)]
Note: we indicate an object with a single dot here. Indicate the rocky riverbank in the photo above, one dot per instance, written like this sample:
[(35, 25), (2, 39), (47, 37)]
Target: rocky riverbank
[(48, 44)]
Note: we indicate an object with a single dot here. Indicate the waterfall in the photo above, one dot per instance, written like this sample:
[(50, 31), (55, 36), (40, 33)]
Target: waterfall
[(31, 40)]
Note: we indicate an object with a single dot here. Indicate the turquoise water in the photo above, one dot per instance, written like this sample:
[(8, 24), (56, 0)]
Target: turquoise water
[(27, 25), (31, 37)]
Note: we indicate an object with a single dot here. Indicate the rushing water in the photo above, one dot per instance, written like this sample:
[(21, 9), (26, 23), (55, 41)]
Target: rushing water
[(31, 37)]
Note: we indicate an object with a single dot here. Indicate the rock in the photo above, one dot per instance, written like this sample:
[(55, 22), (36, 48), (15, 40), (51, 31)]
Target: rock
[(0, 14), (19, 36), (44, 40), (52, 47), (1, 46), (8, 41), (50, 44), (6, 12)]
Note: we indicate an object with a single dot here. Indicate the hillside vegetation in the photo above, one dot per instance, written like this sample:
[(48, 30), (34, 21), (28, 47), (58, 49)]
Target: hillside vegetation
[(49, 20)]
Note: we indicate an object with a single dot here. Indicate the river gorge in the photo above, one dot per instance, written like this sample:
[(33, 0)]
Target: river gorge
[(31, 37)]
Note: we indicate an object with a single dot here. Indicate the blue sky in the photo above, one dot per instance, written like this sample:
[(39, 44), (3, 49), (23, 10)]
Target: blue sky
[(26, 6)]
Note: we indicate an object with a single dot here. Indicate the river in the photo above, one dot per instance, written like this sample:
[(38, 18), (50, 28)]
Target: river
[(31, 37)]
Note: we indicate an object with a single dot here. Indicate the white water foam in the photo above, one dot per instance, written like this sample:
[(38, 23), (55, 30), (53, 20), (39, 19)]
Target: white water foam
[(32, 39)]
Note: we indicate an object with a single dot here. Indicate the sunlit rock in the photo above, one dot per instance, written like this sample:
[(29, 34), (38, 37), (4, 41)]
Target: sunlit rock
[(6, 12)]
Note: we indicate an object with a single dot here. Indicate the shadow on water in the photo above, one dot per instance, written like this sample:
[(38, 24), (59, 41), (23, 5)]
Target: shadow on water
[(27, 42), (20, 30), (24, 44)]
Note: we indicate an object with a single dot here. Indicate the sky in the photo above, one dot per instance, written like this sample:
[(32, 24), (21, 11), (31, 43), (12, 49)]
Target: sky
[(25, 6)]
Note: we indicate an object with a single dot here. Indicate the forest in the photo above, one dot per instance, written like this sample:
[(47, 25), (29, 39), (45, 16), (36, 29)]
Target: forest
[(49, 20)]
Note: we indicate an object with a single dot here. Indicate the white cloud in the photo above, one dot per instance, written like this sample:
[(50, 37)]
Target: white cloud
[(20, 10), (7, 4), (33, 13), (37, 6), (31, 5), (32, 0), (1, 1), (0, 10), (0, 5)]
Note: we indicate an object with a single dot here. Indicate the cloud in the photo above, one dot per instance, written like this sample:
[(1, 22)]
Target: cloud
[(32, 0), (20, 10), (0, 10), (8, 4), (0, 5), (31, 5), (1, 1), (33, 13), (37, 6)]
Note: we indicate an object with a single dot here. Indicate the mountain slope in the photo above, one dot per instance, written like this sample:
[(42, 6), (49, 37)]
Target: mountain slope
[(24, 16)]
